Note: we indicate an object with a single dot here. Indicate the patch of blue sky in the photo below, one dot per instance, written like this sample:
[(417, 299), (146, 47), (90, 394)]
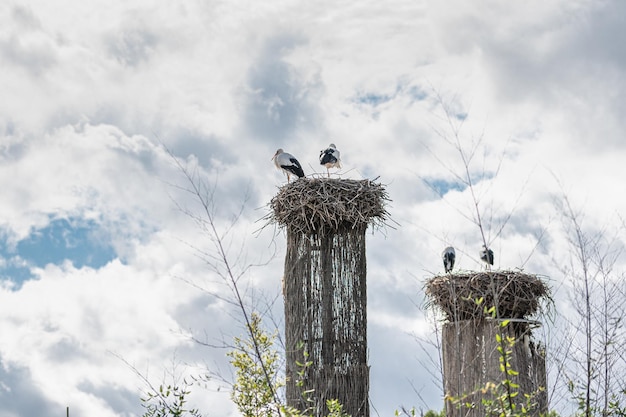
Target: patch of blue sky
[(442, 187), (80, 241), (416, 93), (373, 99), (13, 269)]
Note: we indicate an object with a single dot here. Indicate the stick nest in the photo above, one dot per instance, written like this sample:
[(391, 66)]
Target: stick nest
[(320, 204), (467, 295)]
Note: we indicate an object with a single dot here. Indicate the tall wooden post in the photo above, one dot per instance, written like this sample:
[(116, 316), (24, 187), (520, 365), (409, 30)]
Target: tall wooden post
[(483, 347), (468, 370), (326, 317), (324, 291)]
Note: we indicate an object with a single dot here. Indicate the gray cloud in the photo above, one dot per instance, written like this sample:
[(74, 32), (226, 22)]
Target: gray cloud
[(122, 401), (132, 45), (279, 102), (25, 17), (20, 396), (27, 45), (569, 46), (597, 35), (205, 148)]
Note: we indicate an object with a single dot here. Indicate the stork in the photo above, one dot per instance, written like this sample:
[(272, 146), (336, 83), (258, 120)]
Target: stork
[(448, 256), (330, 158), (486, 255), (288, 163)]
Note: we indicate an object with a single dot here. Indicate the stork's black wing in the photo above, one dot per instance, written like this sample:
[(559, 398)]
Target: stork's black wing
[(328, 157), (295, 167)]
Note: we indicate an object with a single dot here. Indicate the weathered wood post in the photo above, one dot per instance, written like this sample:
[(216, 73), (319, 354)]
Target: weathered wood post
[(476, 337), (324, 289)]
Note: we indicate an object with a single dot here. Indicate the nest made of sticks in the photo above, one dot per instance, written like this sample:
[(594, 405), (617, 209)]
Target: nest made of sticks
[(321, 204), (468, 295)]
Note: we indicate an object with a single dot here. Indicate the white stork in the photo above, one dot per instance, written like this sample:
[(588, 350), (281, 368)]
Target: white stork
[(448, 256), (288, 163), (330, 158), (486, 255)]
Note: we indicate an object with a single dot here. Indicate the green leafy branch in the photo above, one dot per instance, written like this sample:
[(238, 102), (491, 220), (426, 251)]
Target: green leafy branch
[(169, 401), (252, 392)]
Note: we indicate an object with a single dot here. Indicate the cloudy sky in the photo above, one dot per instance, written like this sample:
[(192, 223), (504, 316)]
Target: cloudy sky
[(102, 266)]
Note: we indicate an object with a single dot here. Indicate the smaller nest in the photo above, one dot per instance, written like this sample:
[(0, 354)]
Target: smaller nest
[(317, 205), (514, 294)]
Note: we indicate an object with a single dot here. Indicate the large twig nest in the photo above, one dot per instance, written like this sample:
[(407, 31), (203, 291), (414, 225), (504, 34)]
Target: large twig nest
[(320, 204), (467, 295)]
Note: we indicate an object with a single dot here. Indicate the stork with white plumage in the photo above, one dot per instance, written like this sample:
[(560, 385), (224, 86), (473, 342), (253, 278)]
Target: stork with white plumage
[(330, 158), (448, 256), (486, 255), (288, 163)]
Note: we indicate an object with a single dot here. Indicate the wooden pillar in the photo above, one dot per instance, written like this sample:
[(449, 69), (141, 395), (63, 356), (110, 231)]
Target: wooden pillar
[(484, 311), (326, 316), (325, 289), (471, 360)]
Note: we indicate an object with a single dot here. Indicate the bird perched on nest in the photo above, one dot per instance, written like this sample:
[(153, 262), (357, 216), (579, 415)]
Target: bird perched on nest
[(329, 157), (448, 256), (486, 255), (288, 163)]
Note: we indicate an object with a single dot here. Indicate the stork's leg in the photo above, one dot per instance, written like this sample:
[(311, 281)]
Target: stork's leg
[(328, 172), (287, 178)]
